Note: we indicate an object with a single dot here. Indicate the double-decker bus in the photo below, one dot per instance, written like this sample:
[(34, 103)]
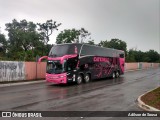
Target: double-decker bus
[(79, 63)]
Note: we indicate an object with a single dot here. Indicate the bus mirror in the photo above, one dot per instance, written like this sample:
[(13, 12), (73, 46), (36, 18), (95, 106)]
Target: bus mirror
[(40, 59)]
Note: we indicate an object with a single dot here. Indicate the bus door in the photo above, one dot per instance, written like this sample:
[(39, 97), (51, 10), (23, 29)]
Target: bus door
[(122, 62), (71, 68)]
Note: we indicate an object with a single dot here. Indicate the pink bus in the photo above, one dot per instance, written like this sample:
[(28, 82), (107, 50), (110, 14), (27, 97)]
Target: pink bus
[(79, 63)]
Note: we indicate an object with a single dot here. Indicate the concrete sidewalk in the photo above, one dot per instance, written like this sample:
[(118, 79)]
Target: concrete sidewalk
[(20, 83)]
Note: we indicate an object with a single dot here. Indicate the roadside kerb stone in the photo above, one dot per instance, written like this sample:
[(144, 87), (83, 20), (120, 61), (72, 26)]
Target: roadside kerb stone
[(144, 106)]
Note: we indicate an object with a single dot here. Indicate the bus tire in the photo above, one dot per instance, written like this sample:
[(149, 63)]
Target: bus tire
[(87, 78), (79, 79), (113, 75), (117, 74)]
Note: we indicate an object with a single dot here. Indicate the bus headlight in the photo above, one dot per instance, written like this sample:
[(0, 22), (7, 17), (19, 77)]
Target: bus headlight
[(74, 76), (61, 76)]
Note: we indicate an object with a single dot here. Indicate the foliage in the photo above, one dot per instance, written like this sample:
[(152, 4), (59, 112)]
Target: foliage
[(68, 36), (3, 45), (72, 36), (130, 56), (83, 35), (153, 56), (22, 38), (46, 29), (91, 42), (139, 56), (103, 43), (114, 43), (26, 42)]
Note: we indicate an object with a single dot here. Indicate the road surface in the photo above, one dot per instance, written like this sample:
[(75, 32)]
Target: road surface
[(100, 95)]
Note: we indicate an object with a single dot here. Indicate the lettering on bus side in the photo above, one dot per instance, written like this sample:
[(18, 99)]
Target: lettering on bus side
[(100, 59)]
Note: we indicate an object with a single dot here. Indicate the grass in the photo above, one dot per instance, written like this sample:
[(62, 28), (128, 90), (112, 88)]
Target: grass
[(152, 98)]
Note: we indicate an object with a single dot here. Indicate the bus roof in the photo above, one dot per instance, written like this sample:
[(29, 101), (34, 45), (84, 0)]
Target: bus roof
[(89, 45), (86, 49)]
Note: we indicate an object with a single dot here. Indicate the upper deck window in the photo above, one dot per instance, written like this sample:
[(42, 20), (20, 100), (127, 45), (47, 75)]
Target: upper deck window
[(64, 49), (98, 51)]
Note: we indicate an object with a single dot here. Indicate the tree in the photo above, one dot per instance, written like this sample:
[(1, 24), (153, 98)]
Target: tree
[(72, 36), (68, 36), (91, 42), (46, 29), (103, 43), (23, 37), (83, 35), (139, 56), (130, 56), (3, 42), (3, 45), (114, 43), (152, 56), (117, 44)]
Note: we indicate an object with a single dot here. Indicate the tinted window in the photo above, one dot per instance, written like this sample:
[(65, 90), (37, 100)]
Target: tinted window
[(88, 50), (71, 64), (55, 67), (72, 48), (58, 51), (66, 49), (98, 51), (121, 55)]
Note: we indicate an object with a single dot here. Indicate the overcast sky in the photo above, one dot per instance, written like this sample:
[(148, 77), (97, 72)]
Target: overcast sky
[(137, 22)]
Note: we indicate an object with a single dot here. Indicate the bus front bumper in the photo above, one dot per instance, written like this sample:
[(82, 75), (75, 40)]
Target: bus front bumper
[(57, 78)]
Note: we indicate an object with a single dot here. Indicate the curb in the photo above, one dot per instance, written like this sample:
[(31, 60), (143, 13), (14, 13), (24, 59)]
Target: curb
[(21, 83), (144, 106), (132, 70)]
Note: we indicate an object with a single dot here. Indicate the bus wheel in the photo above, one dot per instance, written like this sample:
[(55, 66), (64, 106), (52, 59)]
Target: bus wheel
[(79, 79), (113, 75), (117, 74), (87, 78)]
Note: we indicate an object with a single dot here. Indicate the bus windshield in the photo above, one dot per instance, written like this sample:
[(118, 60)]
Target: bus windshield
[(64, 49), (55, 67), (58, 51)]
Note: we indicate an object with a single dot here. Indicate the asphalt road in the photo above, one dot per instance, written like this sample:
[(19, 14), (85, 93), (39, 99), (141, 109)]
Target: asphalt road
[(100, 95)]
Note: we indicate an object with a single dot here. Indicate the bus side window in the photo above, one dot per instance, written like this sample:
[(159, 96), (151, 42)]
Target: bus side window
[(71, 65), (121, 55)]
